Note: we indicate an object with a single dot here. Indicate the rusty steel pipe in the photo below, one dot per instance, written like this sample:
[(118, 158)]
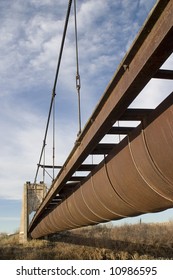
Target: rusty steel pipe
[(135, 178)]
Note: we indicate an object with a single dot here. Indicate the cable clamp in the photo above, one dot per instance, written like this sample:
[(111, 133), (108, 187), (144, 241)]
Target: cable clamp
[(78, 85)]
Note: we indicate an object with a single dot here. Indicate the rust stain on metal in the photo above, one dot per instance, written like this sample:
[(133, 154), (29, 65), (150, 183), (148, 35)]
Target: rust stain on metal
[(148, 52), (135, 178)]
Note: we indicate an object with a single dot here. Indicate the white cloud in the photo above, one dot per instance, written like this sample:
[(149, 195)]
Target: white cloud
[(30, 40), (20, 142)]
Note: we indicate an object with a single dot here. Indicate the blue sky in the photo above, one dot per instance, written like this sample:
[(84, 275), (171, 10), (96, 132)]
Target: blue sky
[(30, 33)]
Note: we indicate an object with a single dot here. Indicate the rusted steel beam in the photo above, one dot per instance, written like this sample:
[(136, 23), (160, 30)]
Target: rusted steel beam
[(50, 166), (61, 197), (76, 178), (86, 167), (102, 149), (164, 74), (53, 203), (68, 188), (135, 178), (56, 200), (69, 185), (135, 114), (120, 130), (152, 47)]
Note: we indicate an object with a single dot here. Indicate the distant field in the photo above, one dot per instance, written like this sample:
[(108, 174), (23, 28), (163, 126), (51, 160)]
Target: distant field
[(127, 242)]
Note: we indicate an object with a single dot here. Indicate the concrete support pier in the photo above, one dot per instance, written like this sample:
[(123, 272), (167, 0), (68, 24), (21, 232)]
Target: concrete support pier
[(33, 194)]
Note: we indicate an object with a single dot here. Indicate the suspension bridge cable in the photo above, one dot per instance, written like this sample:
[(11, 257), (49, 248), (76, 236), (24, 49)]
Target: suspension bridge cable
[(44, 162), (54, 87), (78, 83), (53, 144)]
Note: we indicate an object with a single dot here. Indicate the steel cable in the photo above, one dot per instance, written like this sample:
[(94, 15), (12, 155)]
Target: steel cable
[(78, 83), (54, 86)]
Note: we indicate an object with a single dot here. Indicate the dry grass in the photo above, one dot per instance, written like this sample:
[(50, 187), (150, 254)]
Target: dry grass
[(134, 242)]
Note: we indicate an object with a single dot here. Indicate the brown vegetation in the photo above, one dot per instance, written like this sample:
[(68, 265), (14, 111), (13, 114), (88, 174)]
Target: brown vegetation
[(141, 241)]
